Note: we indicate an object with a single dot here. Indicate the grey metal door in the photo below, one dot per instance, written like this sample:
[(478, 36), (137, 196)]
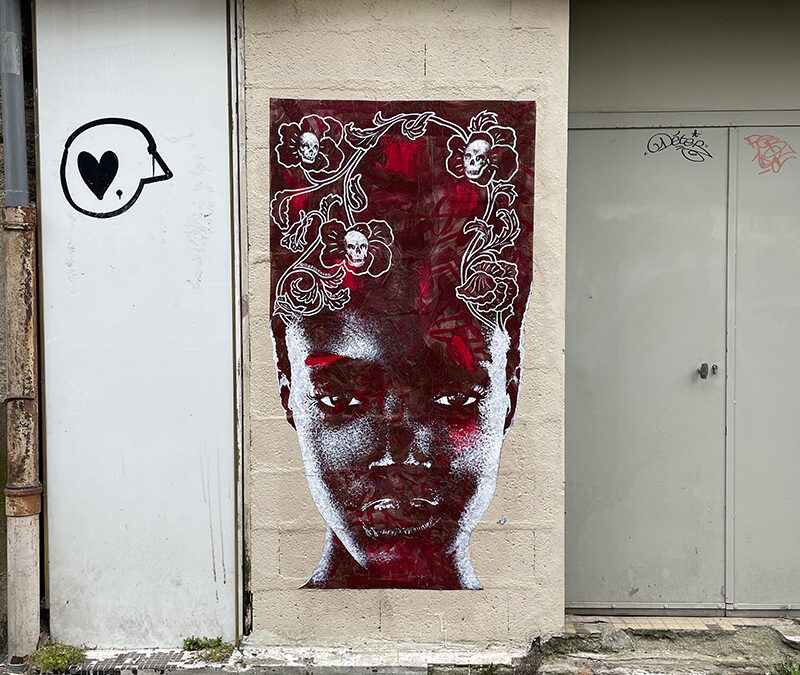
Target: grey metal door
[(764, 424), (646, 306)]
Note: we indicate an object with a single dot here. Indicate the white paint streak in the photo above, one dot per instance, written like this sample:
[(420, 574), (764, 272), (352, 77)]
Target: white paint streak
[(343, 442)]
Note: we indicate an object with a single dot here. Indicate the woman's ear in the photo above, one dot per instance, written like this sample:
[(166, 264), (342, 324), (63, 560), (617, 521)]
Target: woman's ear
[(512, 391), (286, 389)]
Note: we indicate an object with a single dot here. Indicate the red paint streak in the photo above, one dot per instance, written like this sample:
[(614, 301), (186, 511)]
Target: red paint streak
[(425, 287), (350, 280), (462, 353), (467, 197), (449, 328), (401, 156), (300, 201), (323, 360)]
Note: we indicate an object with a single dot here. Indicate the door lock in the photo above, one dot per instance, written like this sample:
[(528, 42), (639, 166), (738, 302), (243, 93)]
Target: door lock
[(703, 370)]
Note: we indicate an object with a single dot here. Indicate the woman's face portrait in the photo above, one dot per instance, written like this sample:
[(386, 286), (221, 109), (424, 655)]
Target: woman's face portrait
[(396, 310), (400, 440)]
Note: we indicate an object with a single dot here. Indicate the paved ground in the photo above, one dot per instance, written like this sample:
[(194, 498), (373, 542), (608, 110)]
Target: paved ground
[(661, 645), (590, 645), (582, 625)]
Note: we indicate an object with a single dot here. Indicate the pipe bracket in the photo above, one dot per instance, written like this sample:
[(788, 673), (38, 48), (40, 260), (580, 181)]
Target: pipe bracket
[(23, 501), (18, 217)]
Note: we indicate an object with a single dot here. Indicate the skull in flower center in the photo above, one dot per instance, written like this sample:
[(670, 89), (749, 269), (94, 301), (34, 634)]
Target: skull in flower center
[(476, 158), (309, 147), (356, 248)]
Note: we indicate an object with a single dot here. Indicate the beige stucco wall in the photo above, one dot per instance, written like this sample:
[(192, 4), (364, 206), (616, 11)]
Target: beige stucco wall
[(629, 55), (3, 437), (416, 49)]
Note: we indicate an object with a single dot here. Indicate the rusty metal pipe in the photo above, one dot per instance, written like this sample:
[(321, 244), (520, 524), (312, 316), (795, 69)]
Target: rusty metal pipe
[(23, 492)]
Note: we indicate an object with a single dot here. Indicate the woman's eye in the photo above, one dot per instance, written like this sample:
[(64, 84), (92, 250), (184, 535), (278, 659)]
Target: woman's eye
[(456, 399), (339, 402)]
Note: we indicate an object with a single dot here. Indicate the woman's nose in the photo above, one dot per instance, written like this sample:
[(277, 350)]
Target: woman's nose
[(394, 408), (404, 446), (401, 443)]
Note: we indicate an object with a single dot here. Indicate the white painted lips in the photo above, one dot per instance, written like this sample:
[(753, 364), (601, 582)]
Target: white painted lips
[(391, 503), (375, 533)]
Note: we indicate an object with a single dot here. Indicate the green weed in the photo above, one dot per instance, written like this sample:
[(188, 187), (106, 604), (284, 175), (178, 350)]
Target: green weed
[(194, 644), (212, 650), (216, 654), (57, 657)]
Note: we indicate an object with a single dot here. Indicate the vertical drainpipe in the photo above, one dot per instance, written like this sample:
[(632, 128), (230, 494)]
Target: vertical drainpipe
[(23, 492)]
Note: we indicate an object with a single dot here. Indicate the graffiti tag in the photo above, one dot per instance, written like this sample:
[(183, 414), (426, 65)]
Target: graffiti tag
[(771, 152), (691, 146)]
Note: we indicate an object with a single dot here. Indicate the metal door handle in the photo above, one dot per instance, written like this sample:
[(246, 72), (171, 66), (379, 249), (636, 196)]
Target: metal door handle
[(703, 370)]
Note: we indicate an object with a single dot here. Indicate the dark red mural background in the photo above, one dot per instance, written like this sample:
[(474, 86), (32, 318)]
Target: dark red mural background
[(401, 258)]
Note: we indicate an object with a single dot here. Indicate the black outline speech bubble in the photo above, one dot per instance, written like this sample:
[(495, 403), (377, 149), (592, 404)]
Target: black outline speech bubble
[(151, 149)]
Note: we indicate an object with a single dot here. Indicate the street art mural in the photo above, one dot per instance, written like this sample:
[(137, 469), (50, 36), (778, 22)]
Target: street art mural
[(401, 253)]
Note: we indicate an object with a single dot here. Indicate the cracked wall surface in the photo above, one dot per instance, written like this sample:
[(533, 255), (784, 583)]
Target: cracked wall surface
[(381, 50)]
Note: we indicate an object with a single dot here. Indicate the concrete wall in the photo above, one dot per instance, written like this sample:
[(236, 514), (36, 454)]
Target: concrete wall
[(459, 49), (628, 55)]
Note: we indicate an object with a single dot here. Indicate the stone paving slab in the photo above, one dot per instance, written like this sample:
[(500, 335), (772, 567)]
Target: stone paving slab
[(602, 645)]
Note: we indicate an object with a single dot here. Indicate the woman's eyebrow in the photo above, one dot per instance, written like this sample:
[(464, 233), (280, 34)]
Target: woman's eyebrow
[(322, 359)]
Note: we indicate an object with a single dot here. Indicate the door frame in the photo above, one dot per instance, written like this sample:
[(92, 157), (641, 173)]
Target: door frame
[(733, 121), (699, 119), (241, 322)]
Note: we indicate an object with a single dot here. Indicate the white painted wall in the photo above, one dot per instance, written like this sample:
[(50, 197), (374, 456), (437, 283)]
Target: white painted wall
[(138, 334), (629, 55)]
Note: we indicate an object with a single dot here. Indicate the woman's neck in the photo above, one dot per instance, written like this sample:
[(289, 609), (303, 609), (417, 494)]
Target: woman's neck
[(400, 562)]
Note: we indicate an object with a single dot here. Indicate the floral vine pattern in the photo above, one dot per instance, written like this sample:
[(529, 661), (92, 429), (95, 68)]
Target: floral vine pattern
[(327, 151)]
